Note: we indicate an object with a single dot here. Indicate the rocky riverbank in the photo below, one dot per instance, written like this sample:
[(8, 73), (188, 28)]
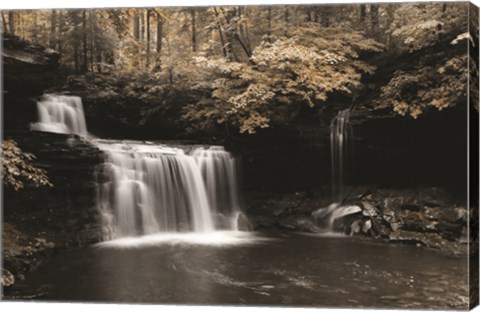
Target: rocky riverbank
[(426, 217)]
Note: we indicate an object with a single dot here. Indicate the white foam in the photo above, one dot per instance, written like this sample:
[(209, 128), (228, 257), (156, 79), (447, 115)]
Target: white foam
[(214, 238)]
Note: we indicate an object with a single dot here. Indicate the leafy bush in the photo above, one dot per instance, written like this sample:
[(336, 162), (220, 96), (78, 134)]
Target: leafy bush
[(17, 168)]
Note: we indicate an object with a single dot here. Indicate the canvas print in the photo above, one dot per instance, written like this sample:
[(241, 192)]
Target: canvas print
[(321, 155)]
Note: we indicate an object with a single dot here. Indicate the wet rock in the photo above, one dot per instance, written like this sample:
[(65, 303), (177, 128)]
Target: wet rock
[(395, 226), (343, 211), (355, 227), (299, 223), (243, 223), (367, 225), (368, 209), (324, 212)]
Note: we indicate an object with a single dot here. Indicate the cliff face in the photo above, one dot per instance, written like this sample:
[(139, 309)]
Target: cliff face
[(66, 212), (38, 222), (28, 70)]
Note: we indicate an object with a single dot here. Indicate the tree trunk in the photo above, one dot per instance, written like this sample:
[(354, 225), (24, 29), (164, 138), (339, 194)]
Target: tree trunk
[(53, 29), (229, 36), (286, 19), (148, 38), (75, 49), (92, 37), (4, 22), (84, 41), (243, 32), (35, 27), (136, 27), (142, 25), (159, 42), (374, 17), (11, 22), (220, 33), (363, 14), (269, 18), (194, 30), (61, 31)]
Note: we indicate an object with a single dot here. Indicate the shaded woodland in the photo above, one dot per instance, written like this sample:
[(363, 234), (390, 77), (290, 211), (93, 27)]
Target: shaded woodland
[(239, 69)]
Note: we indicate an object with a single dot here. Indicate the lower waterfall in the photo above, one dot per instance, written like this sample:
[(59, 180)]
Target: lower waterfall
[(146, 188)]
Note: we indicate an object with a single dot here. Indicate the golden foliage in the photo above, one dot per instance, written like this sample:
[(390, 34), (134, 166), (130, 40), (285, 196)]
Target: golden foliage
[(17, 168)]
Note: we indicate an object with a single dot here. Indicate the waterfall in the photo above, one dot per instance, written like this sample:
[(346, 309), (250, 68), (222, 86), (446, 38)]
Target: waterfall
[(147, 188), (340, 134), (60, 114)]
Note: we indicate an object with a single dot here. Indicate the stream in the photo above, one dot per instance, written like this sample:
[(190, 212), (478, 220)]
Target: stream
[(170, 228), (240, 268)]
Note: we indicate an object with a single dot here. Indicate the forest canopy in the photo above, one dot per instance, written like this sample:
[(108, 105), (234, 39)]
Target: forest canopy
[(253, 67)]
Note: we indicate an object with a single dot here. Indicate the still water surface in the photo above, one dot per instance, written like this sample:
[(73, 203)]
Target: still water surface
[(255, 269)]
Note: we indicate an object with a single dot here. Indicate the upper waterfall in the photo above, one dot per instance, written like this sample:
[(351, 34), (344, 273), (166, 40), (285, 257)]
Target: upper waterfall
[(60, 114)]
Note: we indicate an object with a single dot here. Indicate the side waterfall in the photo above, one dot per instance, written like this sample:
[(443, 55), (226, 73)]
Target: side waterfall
[(145, 188), (60, 114), (340, 135)]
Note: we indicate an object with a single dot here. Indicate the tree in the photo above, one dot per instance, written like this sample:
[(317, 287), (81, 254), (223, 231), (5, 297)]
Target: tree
[(53, 30), (17, 169), (11, 22), (297, 71), (194, 30), (439, 78)]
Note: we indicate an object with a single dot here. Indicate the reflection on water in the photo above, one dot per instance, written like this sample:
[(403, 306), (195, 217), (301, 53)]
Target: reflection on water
[(233, 268)]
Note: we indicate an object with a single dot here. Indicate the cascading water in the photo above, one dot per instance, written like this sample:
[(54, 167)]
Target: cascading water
[(60, 114), (145, 189), (220, 174), (340, 134)]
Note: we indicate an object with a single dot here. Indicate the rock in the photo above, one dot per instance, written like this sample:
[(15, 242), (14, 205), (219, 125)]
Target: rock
[(343, 211), (243, 224), (28, 68), (299, 223), (66, 212), (368, 209), (278, 211), (433, 197), (322, 213), (395, 226), (355, 227), (367, 225), (7, 278)]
